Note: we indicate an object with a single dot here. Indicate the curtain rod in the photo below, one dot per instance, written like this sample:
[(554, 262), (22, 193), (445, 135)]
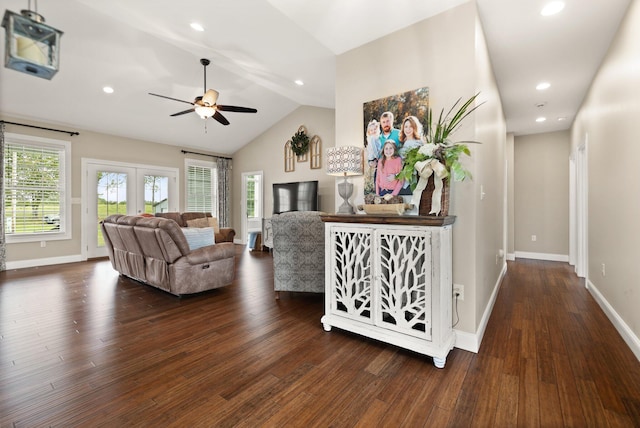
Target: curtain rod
[(71, 133), (204, 154)]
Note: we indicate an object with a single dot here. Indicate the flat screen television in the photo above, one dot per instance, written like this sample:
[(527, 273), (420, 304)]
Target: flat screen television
[(296, 196)]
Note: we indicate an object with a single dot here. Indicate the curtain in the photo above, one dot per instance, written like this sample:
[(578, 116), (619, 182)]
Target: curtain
[(3, 242), (224, 191)]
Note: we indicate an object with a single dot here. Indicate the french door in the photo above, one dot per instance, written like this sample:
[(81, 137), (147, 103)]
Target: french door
[(119, 188)]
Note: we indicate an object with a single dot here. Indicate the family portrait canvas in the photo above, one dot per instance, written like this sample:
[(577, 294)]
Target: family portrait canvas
[(393, 125)]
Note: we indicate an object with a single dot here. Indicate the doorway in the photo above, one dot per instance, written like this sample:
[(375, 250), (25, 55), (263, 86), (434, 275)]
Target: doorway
[(252, 205), (120, 188)]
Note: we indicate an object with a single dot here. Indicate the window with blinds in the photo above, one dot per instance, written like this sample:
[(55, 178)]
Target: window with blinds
[(35, 188), (202, 185)]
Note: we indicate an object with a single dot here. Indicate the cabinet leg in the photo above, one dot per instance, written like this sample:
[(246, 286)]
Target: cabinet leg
[(326, 327), (439, 362)]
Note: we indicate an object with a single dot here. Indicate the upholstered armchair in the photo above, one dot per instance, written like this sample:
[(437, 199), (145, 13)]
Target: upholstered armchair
[(298, 252)]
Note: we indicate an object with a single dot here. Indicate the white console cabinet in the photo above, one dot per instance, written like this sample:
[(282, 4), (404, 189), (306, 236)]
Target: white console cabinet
[(389, 278)]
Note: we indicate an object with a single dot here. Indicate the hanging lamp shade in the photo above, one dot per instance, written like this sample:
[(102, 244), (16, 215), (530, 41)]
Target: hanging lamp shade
[(31, 46)]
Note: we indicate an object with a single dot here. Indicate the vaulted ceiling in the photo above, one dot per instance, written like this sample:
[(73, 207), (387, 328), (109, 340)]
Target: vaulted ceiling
[(259, 48)]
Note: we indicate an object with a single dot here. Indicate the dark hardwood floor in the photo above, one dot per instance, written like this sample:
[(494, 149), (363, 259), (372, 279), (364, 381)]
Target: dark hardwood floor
[(81, 346)]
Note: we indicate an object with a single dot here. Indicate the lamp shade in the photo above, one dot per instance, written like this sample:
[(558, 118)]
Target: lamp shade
[(344, 160)]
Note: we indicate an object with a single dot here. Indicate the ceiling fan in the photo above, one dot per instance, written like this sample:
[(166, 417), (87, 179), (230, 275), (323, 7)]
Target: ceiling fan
[(206, 106)]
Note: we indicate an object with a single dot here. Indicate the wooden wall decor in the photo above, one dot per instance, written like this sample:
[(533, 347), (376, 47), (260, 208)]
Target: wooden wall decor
[(315, 148), (289, 158)]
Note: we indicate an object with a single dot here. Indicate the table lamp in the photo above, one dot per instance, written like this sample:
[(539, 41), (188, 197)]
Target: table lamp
[(345, 161)]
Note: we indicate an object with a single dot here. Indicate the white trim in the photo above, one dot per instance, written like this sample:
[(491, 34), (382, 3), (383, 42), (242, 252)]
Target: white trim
[(543, 256), (511, 257), (627, 334), (21, 264), (469, 341)]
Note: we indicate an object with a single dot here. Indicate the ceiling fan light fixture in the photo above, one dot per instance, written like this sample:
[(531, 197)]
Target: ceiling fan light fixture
[(205, 112)]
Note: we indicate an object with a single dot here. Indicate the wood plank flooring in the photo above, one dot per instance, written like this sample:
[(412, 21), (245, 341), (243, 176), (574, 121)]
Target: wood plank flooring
[(82, 346)]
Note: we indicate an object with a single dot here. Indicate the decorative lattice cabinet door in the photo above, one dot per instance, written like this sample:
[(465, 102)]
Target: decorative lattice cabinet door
[(351, 273), (403, 274)]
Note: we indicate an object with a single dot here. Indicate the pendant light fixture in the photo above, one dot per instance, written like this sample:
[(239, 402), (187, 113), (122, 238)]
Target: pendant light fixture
[(31, 46)]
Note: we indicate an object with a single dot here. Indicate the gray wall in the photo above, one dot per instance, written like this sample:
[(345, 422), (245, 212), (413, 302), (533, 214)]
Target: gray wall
[(450, 57), (266, 154), (96, 146), (541, 200), (608, 123)]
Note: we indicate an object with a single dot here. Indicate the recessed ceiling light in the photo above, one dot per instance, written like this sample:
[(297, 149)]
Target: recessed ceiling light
[(561, 119), (197, 26), (108, 90), (552, 8), (543, 85), (541, 119), (299, 82)]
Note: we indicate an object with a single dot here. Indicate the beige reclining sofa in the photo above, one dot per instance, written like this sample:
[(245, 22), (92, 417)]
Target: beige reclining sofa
[(155, 251)]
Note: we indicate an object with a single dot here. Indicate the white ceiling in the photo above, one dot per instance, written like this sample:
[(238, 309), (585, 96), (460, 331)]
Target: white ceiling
[(258, 48)]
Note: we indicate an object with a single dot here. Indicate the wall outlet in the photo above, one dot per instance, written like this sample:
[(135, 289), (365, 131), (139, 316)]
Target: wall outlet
[(534, 238), (603, 270), (459, 291)]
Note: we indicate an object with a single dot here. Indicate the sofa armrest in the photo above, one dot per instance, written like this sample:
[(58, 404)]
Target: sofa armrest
[(211, 253), (226, 234)]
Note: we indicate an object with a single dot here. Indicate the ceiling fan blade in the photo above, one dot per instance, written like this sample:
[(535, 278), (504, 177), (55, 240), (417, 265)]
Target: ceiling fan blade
[(220, 118), (169, 98), (236, 109), (183, 112)]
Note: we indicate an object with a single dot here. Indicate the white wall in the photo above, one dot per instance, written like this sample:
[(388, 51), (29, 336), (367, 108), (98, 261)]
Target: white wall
[(608, 120), (450, 57)]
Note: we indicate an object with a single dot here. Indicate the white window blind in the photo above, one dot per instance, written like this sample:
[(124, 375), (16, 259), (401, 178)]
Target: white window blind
[(202, 185), (35, 188)]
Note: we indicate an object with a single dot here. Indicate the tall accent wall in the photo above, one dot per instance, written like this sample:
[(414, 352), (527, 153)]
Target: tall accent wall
[(265, 153), (448, 54), (607, 124)]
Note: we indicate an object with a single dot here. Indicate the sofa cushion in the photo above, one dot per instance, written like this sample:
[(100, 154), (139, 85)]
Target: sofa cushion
[(198, 237), (198, 222), (213, 222), (205, 222)]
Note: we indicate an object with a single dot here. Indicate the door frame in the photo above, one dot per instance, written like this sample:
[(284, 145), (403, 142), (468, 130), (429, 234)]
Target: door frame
[(579, 210), (88, 194)]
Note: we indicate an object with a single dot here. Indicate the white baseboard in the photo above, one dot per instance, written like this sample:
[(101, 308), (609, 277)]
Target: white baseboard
[(543, 256), (627, 334), (511, 257), (44, 262), (471, 341)]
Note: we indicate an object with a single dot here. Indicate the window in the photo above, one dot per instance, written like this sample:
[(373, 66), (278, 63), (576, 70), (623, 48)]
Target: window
[(37, 181), (254, 205), (202, 185)]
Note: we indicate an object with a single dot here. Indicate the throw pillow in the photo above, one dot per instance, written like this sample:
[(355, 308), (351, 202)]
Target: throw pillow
[(213, 222), (198, 237), (198, 222)]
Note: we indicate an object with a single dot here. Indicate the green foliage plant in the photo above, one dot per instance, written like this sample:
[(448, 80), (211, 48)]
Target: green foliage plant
[(300, 143), (439, 146)]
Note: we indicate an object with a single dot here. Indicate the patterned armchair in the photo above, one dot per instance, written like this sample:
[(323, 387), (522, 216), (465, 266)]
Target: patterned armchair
[(298, 252)]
